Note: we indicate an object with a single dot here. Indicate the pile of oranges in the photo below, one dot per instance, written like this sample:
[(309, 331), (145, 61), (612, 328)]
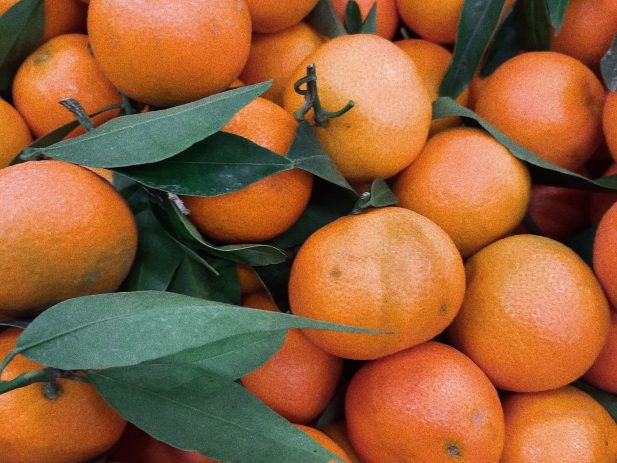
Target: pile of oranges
[(483, 317)]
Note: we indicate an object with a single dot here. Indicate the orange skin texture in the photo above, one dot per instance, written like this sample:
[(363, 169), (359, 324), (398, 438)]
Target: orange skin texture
[(104, 173), (602, 202), (548, 102), (432, 62), (560, 425), (77, 426), (534, 316), (61, 16), (605, 254), (468, 184), (337, 431), (14, 133), (66, 233), (299, 380), (387, 14), (388, 269), (273, 15), (432, 20), (427, 403), (603, 373), (609, 123), (165, 52), (475, 88), (61, 68), (275, 57), (587, 31), (389, 123), (247, 278), (267, 207), (325, 441)]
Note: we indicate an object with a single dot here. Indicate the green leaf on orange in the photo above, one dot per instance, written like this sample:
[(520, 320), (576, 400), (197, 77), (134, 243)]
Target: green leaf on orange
[(608, 66), (325, 20)]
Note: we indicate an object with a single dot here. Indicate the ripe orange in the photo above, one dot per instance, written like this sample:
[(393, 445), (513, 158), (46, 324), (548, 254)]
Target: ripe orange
[(605, 254), (534, 316), (337, 431), (468, 184), (557, 426), (268, 207), (587, 31), (609, 123), (389, 124), (325, 442), (275, 56), (548, 102), (249, 283), (61, 16), (165, 52), (61, 68), (602, 202), (603, 373), (65, 232), (104, 173), (14, 133), (432, 62), (388, 269), (273, 15), (387, 14), (299, 380), (77, 426), (427, 403)]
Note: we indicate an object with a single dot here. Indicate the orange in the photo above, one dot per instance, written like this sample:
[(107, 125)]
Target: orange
[(273, 15), (325, 442), (436, 21), (76, 426), (247, 279), (268, 207), (165, 52), (65, 233), (61, 68), (475, 88), (297, 382), (389, 123), (14, 133), (275, 57), (605, 254), (388, 269), (104, 173), (534, 317), (602, 202), (469, 185), (587, 31), (603, 373), (387, 14), (337, 431), (427, 403), (61, 16), (609, 123), (432, 62), (548, 102), (561, 425)]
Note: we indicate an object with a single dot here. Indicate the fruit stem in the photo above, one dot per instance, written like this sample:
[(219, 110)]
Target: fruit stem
[(39, 376), (311, 100), (78, 111)]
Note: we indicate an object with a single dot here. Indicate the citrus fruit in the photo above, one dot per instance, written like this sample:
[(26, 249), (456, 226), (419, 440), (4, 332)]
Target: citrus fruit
[(600, 201), (548, 102), (325, 442), (337, 431), (609, 123), (268, 207), (605, 254), (388, 269), (560, 425), (534, 316), (164, 52), (14, 133), (432, 62), (469, 184), (300, 379), (275, 56), (247, 278), (427, 403), (388, 126), (387, 14), (603, 373), (76, 426), (273, 15), (65, 232), (61, 68)]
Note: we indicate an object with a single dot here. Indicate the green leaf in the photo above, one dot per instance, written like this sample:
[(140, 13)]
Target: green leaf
[(353, 17), (582, 244), (542, 171), (606, 399), (479, 21), (325, 20), (154, 136), (23, 324), (192, 409), (380, 196), (536, 28), (275, 279), (504, 46), (222, 163), (608, 66), (21, 30), (556, 12), (370, 23), (122, 329)]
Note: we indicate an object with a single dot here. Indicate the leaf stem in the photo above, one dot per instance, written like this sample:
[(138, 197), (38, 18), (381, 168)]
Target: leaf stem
[(78, 111), (39, 376)]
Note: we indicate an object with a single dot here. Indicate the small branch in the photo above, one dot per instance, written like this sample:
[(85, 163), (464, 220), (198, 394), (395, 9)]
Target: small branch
[(80, 114), (39, 376)]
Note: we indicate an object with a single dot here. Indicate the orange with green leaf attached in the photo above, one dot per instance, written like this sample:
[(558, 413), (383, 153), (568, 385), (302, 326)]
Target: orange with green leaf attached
[(387, 14)]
